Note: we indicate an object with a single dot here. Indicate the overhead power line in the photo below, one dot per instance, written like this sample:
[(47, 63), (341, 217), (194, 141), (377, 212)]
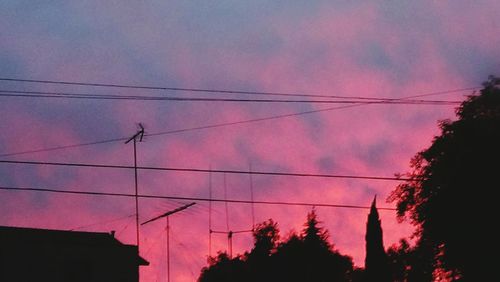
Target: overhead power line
[(211, 126), (182, 130), (66, 95), (204, 90), (254, 172), (201, 199), (175, 131), (64, 147)]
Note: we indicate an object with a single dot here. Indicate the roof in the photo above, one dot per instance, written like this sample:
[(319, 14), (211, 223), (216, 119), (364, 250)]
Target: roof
[(63, 237)]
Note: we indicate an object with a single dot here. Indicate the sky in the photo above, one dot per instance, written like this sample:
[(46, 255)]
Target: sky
[(388, 49)]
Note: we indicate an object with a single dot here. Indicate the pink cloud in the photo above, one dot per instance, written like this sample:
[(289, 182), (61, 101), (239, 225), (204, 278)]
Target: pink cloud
[(326, 52)]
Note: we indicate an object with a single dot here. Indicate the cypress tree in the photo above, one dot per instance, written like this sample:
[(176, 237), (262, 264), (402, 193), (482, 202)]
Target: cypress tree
[(376, 262)]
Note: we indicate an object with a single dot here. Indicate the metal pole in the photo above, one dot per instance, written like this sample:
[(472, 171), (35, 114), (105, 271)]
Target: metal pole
[(225, 203), (168, 249), (210, 214), (230, 233), (136, 197), (230, 243), (139, 134), (167, 215), (251, 197)]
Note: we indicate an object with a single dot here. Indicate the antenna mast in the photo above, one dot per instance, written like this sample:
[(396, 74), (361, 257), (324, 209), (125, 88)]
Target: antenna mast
[(167, 215), (139, 134)]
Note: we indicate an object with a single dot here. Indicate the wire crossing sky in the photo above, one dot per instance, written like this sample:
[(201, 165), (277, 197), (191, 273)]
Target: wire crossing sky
[(228, 123), (278, 203), (38, 94), (271, 173), (219, 91)]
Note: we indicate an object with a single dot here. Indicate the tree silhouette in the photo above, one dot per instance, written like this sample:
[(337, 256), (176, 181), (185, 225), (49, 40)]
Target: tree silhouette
[(266, 236), (305, 257), (376, 264), (314, 235), (223, 269), (450, 196), (323, 263), (409, 264), (399, 257), (310, 257), (259, 263)]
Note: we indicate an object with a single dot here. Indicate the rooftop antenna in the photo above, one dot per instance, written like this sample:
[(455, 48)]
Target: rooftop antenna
[(210, 213), (251, 195), (138, 135), (167, 215), (228, 231)]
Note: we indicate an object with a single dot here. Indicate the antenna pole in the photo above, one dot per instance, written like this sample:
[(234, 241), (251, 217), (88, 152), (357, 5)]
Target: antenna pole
[(226, 204), (230, 243), (168, 249), (167, 215), (136, 196), (139, 134), (210, 214), (251, 197)]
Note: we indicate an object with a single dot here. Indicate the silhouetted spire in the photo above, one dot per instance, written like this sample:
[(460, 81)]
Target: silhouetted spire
[(376, 264), (373, 208)]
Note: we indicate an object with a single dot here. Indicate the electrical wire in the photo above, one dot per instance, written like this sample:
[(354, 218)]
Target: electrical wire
[(150, 196), (218, 125), (65, 95), (254, 172), (184, 89)]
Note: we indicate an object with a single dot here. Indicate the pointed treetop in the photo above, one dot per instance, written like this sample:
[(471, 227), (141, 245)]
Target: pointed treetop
[(376, 264), (374, 203), (373, 209)]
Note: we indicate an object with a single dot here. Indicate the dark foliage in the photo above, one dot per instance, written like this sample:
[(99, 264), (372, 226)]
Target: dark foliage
[(450, 200), (223, 269), (305, 257), (408, 263)]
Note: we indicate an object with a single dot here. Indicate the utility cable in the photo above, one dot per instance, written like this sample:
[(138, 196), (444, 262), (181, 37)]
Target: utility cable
[(201, 199), (254, 172), (65, 95), (185, 89)]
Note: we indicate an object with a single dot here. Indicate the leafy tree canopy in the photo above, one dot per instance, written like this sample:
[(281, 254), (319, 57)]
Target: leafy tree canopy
[(450, 198), (305, 257)]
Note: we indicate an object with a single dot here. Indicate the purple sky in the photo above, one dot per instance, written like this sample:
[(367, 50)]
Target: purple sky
[(348, 48)]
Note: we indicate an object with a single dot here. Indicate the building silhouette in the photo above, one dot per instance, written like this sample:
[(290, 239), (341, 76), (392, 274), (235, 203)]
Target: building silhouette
[(28, 254)]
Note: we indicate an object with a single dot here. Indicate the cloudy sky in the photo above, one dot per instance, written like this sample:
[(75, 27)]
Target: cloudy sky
[(388, 49)]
